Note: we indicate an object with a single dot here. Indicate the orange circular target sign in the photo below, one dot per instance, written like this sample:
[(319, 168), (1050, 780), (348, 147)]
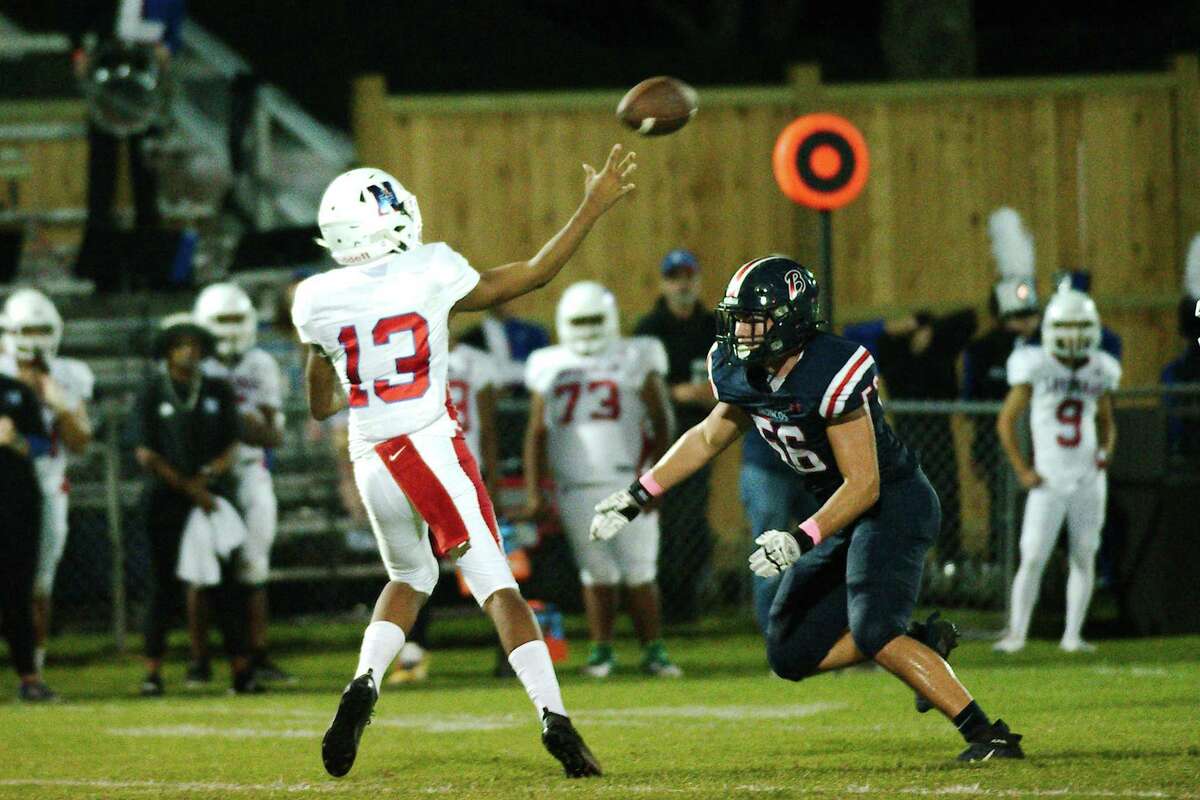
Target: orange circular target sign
[(820, 161)]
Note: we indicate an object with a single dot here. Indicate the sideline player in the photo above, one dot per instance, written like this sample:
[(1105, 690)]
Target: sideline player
[(598, 412), (226, 311), (379, 326), (1069, 382), (64, 386), (852, 570)]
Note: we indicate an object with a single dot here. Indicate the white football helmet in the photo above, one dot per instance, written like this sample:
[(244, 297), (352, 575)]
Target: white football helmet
[(587, 318), (1070, 325), (226, 311), (365, 214), (33, 326)]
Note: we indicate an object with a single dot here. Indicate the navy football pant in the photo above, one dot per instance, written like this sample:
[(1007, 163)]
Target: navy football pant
[(865, 580)]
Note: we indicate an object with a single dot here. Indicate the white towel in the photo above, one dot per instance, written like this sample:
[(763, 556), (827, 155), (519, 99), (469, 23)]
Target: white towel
[(207, 540)]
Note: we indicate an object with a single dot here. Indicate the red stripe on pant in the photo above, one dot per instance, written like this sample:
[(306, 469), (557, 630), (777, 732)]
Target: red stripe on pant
[(467, 461), (420, 484)]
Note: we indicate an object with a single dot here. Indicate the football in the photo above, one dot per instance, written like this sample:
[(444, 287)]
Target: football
[(657, 106)]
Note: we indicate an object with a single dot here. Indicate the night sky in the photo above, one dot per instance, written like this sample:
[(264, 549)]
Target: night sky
[(313, 48)]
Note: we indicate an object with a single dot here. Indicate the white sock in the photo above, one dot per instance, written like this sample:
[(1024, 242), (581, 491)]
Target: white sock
[(39, 659), (1081, 577), (531, 662), (381, 642)]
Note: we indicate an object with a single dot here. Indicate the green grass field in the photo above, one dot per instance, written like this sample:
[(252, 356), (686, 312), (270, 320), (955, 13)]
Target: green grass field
[(1119, 723)]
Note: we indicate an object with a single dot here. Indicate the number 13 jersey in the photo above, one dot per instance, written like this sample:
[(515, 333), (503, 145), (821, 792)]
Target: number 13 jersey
[(833, 377), (1063, 410), (385, 326)]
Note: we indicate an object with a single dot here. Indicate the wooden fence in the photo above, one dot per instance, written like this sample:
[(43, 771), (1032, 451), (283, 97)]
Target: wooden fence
[(1104, 170)]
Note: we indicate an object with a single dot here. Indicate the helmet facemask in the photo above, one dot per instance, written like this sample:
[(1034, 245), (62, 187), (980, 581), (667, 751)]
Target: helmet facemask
[(1071, 326), (587, 319), (34, 328)]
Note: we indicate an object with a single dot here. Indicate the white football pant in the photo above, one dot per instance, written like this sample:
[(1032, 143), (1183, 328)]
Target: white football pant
[(439, 476), (1082, 506), (630, 557)]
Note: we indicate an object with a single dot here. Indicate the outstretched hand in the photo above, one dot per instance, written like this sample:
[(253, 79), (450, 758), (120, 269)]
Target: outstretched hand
[(603, 189)]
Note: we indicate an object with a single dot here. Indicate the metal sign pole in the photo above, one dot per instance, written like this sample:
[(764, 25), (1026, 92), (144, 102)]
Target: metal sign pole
[(827, 261)]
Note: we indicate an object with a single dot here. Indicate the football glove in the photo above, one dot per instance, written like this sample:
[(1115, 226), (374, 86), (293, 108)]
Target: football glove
[(777, 551), (617, 510)]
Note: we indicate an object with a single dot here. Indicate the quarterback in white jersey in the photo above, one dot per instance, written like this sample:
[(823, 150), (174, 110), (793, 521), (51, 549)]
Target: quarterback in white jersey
[(33, 332), (227, 312), (1067, 383), (598, 413), (378, 330)]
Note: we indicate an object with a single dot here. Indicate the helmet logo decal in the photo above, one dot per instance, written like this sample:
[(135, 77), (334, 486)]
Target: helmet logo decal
[(795, 283), (385, 197)]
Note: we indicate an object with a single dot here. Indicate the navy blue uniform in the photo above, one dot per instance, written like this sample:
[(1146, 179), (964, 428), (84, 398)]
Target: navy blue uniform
[(864, 578)]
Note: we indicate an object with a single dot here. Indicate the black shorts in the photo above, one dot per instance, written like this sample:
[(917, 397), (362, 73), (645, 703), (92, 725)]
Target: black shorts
[(865, 580)]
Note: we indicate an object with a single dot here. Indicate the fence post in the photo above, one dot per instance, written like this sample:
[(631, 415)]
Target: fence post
[(112, 486)]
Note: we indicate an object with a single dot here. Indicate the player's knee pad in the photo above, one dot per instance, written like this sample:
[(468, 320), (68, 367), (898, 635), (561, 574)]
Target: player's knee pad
[(597, 567), (485, 569), (872, 634), (422, 578), (793, 658), (639, 573), (254, 570)]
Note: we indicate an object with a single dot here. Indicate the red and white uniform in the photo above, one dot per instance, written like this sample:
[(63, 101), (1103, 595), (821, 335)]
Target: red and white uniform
[(384, 324), (256, 382), (471, 371), (77, 382), (597, 427), (1065, 455)]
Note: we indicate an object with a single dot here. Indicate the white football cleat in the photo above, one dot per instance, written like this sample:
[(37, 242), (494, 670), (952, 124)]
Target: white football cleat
[(1076, 646), (1009, 645)]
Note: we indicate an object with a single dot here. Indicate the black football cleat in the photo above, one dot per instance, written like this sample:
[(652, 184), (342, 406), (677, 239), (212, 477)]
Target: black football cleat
[(939, 635), (996, 742), (564, 743), (340, 745)]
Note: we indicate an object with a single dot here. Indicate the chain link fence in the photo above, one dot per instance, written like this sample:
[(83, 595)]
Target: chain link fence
[(324, 561)]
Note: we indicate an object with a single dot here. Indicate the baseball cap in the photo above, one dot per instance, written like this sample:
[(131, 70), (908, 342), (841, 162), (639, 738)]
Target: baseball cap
[(679, 259)]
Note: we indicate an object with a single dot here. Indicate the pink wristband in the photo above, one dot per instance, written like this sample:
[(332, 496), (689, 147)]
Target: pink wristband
[(650, 485), (812, 530)]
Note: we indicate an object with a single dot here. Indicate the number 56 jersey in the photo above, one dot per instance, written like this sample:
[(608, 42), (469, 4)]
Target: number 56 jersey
[(596, 420), (385, 326), (832, 377), (1063, 410)]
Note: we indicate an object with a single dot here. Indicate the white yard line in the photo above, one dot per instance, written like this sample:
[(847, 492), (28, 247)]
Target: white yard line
[(457, 723)]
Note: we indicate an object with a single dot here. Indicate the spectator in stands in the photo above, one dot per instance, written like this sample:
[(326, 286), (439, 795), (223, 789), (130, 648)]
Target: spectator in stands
[(22, 437), (186, 441), (918, 360), (687, 330), (147, 22), (509, 340), (1014, 308), (1184, 431)]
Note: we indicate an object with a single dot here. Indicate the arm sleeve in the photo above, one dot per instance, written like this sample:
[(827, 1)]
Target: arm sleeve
[(1113, 374), (712, 382), (851, 385), (271, 391), (302, 313), (1022, 366), (457, 276), (537, 372)]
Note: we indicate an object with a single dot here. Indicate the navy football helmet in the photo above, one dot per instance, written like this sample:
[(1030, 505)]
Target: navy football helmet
[(776, 302)]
